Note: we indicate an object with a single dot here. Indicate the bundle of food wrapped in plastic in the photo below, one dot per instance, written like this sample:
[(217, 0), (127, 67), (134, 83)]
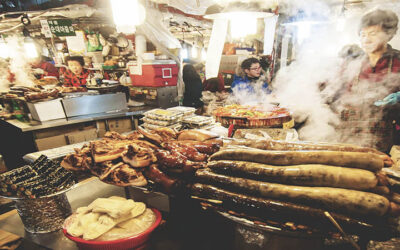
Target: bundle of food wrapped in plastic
[(304, 183)]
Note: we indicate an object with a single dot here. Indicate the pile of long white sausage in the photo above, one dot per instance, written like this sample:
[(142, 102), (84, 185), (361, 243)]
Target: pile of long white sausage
[(300, 181)]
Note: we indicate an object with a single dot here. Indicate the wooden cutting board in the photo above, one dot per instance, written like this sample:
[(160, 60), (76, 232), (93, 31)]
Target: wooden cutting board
[(7, 238)]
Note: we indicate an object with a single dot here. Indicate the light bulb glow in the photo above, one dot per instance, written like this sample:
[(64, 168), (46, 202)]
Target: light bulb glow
[(340, 24), (303, 31), (242, 24), (194, 52), (203, 54), (184, 53), (127, 14), (4, 50), (30, 50)]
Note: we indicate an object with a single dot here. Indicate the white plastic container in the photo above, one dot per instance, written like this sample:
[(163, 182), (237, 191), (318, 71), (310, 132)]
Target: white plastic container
[(47, 110)]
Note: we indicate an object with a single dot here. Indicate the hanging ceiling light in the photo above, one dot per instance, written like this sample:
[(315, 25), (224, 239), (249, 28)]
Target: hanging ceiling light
[(194, 53), (203, 54), (232, 10), (4, 50), (127, 15), (243, 17), (30, 48)]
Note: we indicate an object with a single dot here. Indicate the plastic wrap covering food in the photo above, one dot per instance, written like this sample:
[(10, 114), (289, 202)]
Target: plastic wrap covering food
[(186, 111), (162, 114), (175, 126), (158, 122), (197, 121)]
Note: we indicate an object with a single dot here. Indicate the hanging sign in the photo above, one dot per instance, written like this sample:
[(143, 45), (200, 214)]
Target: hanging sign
[(46, 29), (61, 27)]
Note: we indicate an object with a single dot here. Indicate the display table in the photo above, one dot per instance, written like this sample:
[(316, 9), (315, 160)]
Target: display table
[(18, 138)]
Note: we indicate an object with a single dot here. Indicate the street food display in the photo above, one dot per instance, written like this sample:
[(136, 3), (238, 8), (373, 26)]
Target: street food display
[(43, 177), (31, 94), (176, 118), (143, 155), (302, 184), (252, 116), (46, 81), (159, 118)]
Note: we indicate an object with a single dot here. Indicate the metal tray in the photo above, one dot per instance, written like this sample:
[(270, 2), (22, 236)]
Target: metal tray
[(245, 122)]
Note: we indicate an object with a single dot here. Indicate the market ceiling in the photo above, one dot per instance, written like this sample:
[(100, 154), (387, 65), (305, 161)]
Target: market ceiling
[(29, 5)]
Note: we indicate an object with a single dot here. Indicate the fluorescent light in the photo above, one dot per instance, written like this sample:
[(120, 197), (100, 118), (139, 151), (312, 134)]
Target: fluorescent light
[(30, 50), (127, 14), (242, 24)]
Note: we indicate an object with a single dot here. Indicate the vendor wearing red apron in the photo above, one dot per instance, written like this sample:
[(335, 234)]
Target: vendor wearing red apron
[(370, 112), (75, 75)]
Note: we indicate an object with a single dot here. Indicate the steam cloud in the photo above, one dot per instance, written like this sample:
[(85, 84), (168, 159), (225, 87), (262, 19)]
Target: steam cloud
[(18, 65), (298, 86)]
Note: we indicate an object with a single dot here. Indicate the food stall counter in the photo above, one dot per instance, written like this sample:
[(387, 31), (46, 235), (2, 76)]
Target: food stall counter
[(36, 125), (25, 135)]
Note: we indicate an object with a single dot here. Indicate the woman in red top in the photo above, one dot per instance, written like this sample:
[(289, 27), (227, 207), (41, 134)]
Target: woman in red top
[(75, 75), (365, 120), (44, 68)]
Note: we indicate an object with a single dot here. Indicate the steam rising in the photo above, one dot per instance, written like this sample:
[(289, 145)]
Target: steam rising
[(298, 86), (18, 65)]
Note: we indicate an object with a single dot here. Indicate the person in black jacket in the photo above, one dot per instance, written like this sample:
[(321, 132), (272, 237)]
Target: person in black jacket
[(193, 87)]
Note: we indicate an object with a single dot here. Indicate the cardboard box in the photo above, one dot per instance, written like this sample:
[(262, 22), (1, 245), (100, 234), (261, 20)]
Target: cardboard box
[(81, 136), (44, 133), (101, 128), (51, 142), (120, 125), (47, 110)]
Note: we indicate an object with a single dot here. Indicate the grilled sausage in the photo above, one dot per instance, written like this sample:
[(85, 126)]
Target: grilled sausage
[(299, 146), (332, 199), (153, 173), (366, 161), (274, 209), (302, 175)]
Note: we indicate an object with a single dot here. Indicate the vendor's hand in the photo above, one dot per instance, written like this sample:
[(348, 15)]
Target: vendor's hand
[(389, 100)]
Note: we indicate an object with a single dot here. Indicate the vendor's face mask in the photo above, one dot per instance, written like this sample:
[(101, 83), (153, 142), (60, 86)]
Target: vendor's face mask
[(75, 67), (373, 38)]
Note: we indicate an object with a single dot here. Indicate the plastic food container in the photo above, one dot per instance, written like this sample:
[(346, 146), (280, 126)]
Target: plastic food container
[(133, 242), (162, 114), (158, 122), (175, 126), (198, 120), (187, 111)]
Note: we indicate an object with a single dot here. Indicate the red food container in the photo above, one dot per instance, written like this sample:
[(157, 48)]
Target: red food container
[(134, 242), (160, 73)]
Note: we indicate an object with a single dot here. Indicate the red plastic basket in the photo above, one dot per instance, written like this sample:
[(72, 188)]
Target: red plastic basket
[(133, 242)]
